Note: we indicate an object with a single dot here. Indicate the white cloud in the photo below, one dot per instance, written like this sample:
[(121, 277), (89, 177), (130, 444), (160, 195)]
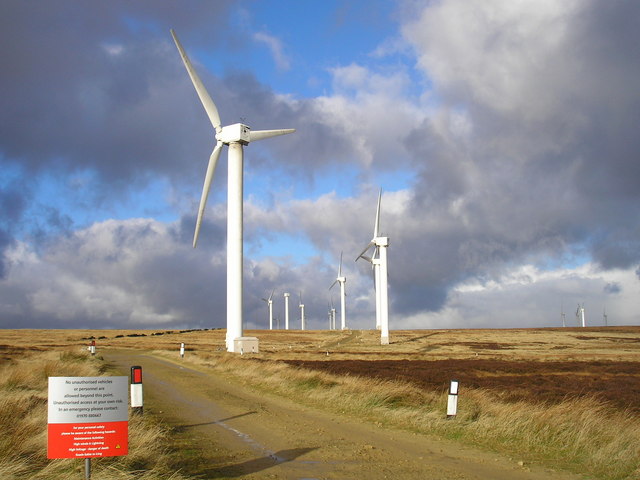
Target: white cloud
[(276, 48)]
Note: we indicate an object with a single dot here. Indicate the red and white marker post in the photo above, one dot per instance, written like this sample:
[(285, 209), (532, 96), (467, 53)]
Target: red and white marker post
[(92, 347), (137, 398)]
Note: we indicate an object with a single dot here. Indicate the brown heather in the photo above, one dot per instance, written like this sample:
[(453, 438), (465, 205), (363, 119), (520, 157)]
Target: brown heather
[(565, 398), (575, 434)]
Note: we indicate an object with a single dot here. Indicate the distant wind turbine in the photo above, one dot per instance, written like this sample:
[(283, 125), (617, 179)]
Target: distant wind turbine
[(270, 305), (286, 310), (562, 315), (580, 315), (235, 137), (333, 314), (378, 260), (343, 308), (301, 305), (604, 316)]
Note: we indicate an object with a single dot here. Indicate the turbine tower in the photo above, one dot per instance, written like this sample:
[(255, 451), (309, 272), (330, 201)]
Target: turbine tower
[(301, 305), (562, 316), (580, 315), (286, 310), (604, 316), (378, 261), (343, 308), (333, 315), (270, 305), (235, 136)]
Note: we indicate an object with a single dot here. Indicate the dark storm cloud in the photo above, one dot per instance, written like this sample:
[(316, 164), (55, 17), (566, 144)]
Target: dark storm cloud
[(612, 288), (12, 206), (93, 85), (537, 152)]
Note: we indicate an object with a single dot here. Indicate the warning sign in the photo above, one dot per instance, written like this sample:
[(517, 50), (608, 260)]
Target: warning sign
[(88, 417)]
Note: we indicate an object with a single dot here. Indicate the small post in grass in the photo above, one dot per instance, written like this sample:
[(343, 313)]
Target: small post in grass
[(452, 401), (182, 350), (137, 400), (92, 347), (87, 468)]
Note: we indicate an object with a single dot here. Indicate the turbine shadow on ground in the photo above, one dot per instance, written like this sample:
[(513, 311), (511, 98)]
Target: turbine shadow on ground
[(257, 464), (182, 428)]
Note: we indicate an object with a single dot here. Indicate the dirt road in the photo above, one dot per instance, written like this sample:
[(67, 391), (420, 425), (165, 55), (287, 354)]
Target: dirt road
[(225, 430)]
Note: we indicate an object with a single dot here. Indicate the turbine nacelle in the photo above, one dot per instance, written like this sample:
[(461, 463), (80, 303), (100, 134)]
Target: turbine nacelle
[(381, 241), (242, 134), (236, 133)]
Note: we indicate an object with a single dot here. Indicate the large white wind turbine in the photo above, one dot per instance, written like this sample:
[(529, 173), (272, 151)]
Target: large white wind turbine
[(343, 308), (378, 260), (270, 305), (235, 137)]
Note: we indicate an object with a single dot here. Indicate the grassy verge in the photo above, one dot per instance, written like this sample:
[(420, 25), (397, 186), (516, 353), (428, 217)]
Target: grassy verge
[(23, 423), (579, 435)]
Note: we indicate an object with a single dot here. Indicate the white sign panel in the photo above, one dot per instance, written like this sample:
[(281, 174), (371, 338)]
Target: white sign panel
[(88, 399)]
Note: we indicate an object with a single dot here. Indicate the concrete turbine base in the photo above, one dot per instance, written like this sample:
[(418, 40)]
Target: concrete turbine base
[(244, 345)]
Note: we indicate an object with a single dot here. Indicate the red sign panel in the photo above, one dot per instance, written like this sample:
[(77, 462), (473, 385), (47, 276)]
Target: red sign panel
[(86, 440), (88, 417)]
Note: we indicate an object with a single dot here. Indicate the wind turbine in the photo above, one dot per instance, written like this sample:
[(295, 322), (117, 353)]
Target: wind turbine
[(301, 305), (562, 314), (580, 315), (333, 315), (235, 137), (270, 305), (604, 316), (341, 280), (286, 310), (378, 261)]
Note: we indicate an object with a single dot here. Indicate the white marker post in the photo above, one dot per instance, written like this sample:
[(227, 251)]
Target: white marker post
[(182, 350), (92, 347), (137, 399), (452, 402)]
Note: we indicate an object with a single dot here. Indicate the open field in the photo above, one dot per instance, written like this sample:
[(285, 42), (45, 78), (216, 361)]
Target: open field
[(566, 398), (543, 364)]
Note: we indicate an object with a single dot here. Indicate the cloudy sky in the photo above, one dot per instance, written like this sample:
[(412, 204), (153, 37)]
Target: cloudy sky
[(504, 134)]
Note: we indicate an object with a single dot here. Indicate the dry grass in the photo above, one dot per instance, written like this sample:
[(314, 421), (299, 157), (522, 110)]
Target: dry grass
[(583, 435), (23, 423), (580, 435)]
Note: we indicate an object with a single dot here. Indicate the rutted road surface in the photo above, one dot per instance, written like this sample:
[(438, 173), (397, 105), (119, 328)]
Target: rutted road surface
[(225, 430)]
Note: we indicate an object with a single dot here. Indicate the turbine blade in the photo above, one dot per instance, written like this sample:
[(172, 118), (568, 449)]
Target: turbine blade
[(340, 266), (206, 100), (213, 160), (271, 296), (376, 227), (362, 254), (333, 284), (256, 135)]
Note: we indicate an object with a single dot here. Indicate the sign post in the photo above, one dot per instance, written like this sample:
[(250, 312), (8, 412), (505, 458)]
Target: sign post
[(88, 417)]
